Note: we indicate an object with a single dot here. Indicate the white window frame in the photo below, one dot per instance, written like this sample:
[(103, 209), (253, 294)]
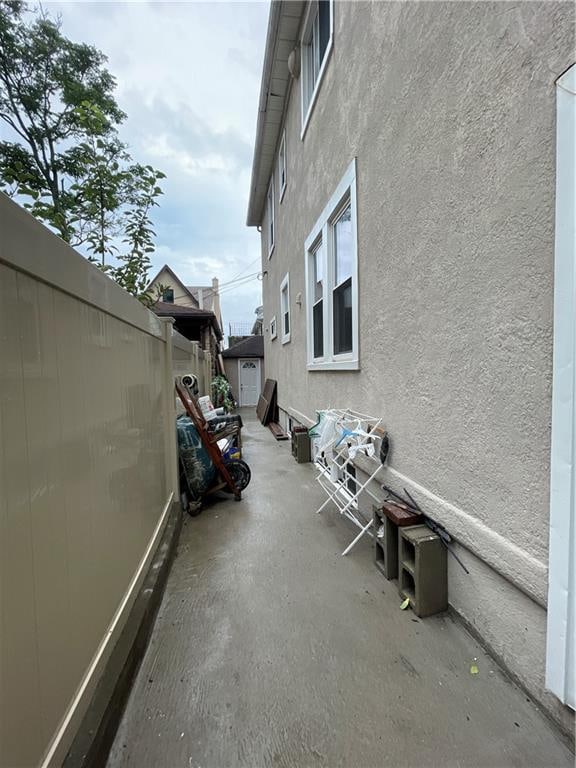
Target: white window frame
[(273, 329), (282, 166), (349, 361), (285, 284), (306, 108), (560, 636), (310, 255), (270, 217)]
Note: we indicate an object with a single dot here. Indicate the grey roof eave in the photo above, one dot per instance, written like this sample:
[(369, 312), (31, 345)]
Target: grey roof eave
[(281, 38)]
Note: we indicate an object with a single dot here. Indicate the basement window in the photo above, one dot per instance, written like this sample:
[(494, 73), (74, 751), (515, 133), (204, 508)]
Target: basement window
[(315, 49), (331, 263)]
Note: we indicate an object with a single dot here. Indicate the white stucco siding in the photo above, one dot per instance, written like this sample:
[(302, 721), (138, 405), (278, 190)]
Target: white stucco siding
[(449, 109)]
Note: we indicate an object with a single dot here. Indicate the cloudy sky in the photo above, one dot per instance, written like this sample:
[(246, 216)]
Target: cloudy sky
[(188, 77)]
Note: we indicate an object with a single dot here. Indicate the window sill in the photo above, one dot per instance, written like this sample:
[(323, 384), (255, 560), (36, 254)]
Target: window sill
[(286, 339), (335, 365), (271, 251), (310, 109), (282, 193)]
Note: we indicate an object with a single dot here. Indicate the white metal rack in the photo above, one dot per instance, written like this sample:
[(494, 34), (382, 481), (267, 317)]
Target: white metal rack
[(341, 434)]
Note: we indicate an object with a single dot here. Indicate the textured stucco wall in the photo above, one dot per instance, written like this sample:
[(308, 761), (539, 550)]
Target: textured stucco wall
[(450, 111)]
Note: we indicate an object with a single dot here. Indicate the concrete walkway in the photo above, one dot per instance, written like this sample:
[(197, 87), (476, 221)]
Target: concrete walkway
[(272, 650)]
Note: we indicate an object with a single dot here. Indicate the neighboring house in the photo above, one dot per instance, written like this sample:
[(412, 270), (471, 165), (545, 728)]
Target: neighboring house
[(195, 309), (404, 181), (244, 368), (170, 289), (208, 297), (258, 327)]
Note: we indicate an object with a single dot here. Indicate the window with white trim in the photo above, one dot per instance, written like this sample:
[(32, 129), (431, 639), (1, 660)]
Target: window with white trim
[(315, 48), (273, 333), (331, 255), (317, 258), (285, 309), (282, 166), (270, 217)]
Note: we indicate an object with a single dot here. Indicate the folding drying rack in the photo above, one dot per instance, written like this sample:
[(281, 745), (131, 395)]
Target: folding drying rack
[(352, 432)]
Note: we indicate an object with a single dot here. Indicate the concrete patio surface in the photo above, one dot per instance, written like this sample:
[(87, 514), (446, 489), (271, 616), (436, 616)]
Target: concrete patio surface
[(270, 649)]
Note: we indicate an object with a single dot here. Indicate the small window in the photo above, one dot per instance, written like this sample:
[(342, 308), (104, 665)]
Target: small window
[(168, 295), (273, 332), (285, 309), (282, 166), (316, 45), (332, 282), (270, 218)]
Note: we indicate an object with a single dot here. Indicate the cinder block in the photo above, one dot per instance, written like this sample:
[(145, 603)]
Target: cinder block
[(300, 445), (423, 572), (385, 547)]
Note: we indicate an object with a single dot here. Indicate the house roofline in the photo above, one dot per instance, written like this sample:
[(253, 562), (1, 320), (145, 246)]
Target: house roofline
[(178, 311), (178, 280), (285, 15)]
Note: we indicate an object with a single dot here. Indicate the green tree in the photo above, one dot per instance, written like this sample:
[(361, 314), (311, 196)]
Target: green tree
[(66, 159)]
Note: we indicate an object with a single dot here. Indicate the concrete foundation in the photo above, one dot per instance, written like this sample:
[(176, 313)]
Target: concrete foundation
[(270, 649)]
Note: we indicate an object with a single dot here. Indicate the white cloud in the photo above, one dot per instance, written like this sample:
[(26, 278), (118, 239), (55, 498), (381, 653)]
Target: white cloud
[(159, 147), (188, 77)]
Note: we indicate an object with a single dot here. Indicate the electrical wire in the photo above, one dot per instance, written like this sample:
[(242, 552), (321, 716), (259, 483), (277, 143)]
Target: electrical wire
[(238, 284), (238, 279), (247, 267), (209, 291)]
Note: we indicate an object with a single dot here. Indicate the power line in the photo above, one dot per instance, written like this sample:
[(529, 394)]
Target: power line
[(208, 291), (247, 267), (239, 283), (237, 279)]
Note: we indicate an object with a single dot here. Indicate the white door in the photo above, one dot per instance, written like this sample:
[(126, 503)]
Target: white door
[(249, 376)]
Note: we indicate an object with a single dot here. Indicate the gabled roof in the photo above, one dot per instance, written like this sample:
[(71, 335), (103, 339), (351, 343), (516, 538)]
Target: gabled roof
[(252, 346), (281, 38), (176, 279)]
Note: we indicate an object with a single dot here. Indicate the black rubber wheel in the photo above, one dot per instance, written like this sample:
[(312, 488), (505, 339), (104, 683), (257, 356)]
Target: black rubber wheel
[(240, 473)]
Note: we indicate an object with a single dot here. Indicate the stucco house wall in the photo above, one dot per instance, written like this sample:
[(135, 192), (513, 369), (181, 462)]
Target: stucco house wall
[(449, 110)]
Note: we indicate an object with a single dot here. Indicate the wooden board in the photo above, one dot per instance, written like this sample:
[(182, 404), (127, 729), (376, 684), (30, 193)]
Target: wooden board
[(265, 410), (401, 515), (261, 408), (277, 431)]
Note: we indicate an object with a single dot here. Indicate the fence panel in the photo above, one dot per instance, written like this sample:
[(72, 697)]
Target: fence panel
[(86, 478)]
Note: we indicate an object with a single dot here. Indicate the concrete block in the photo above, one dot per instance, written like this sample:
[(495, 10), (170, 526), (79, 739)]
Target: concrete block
[(300, 445), (423, 570), (386, 547)]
